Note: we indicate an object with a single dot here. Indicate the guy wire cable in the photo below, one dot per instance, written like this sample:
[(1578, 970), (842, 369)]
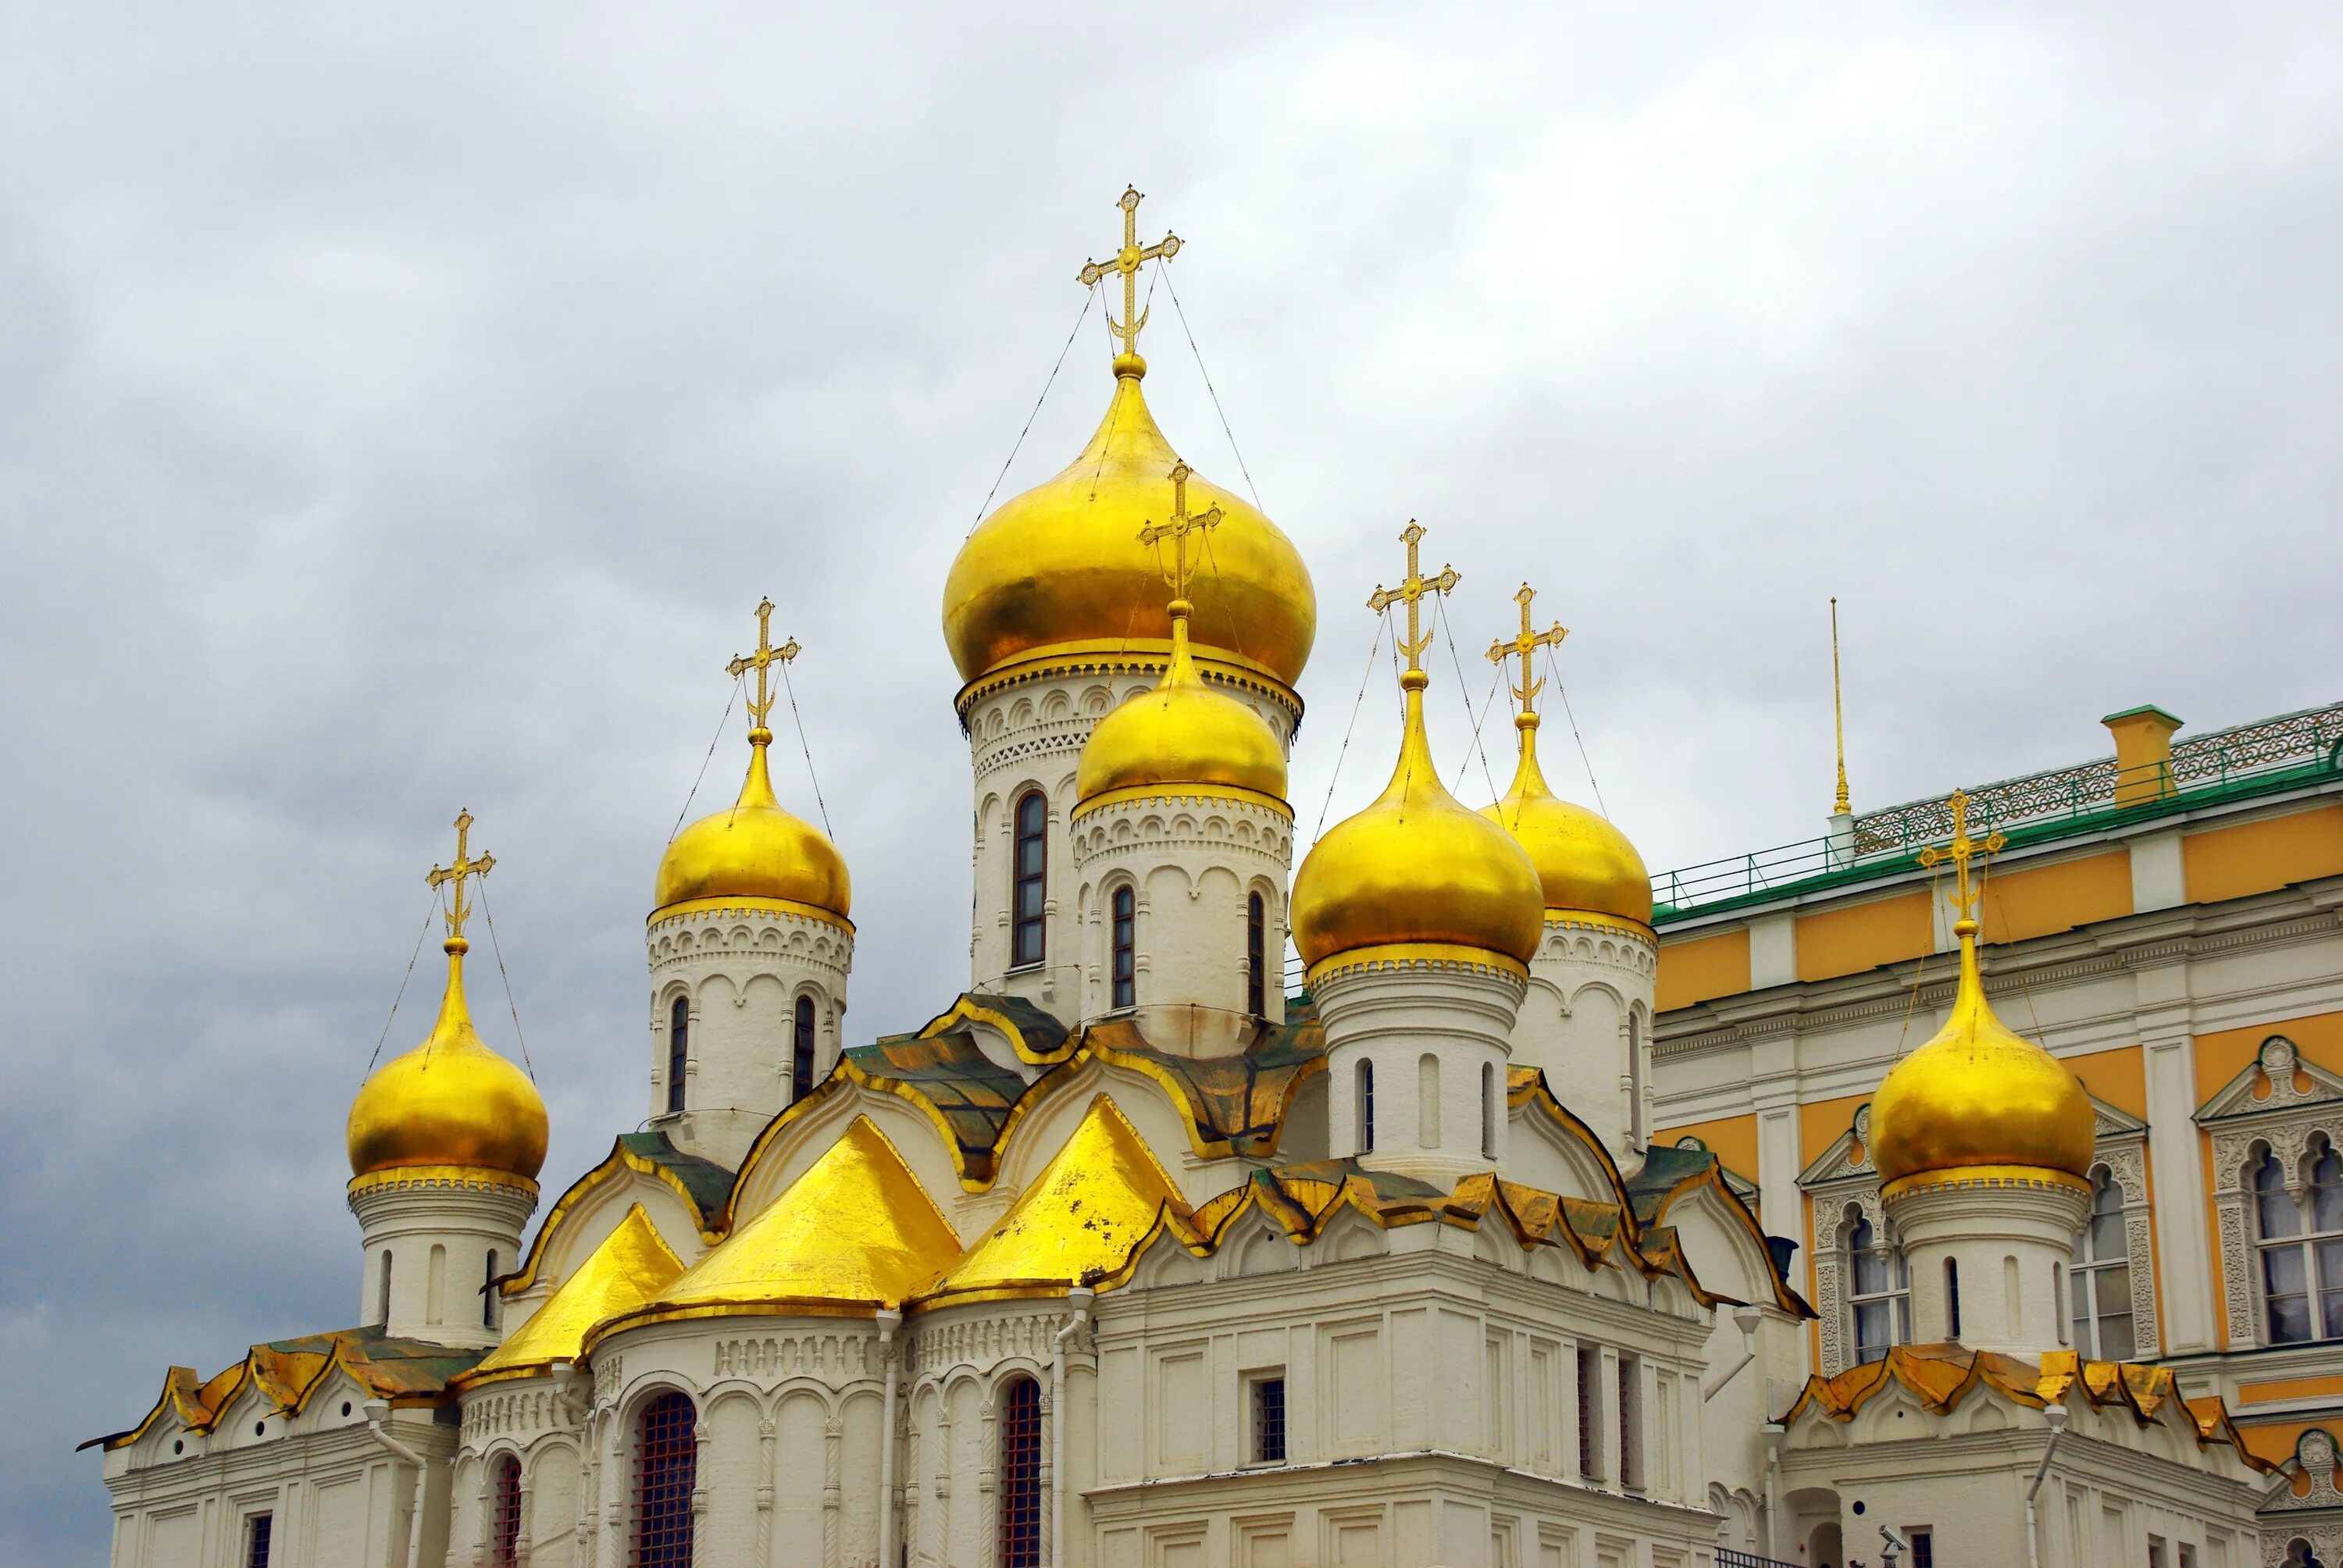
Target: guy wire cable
[(511, 1006), (1357, 703), (430, 910), (1174, 291), (1018, 444), (704, 761), (804, 747)]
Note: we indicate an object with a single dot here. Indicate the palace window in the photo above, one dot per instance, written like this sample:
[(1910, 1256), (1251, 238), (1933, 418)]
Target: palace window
[(1256, 955), (801, 1051), (666, 1467), (504, 1519), (2301, 1244), (1020, 1474), (1030, 869), (2099, 1276), (1880, 1297), (1126, 947), (679, 1049), (1366, 1139)]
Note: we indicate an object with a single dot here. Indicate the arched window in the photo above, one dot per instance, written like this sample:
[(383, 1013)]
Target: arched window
[(1952, 1299), (667, 1466), (678, 1050), (1488, 1111), (1031, 867), (382, 1291), (2302, 1263), (2300, 1555), (1125, 967), (1880, 1293), (2100, 1277), (801, 1051), (1020, 1474), (1256, 955), (504, 1515), (1427, 1101), (1637, 1134), (1366, 1096), (489, 1294)]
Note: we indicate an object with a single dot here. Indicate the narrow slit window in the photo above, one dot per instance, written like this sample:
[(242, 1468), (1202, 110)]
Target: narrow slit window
[(801, 1051), (1269, 1420), (1590, 1411), (1488, 1111), (1366, 1108), (678, 1050), (1126, 947), (1256, 955), (1030, 879), (489, 1292), (382, 1291), (1952, 1299)]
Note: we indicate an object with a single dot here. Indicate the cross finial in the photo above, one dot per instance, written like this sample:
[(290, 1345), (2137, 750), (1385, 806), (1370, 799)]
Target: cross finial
[(1960, 852), (459, 909), (1128, 261), (1181, 523), (1410, 590), (1526, 644), (762, 662)]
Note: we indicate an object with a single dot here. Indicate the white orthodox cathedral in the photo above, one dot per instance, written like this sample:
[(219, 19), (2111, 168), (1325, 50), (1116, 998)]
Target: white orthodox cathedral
[(1132, 1257)]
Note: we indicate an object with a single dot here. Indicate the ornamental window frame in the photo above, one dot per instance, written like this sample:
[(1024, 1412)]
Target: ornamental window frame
[(2085, 1315), (1843, 1177), (2284, 1105)]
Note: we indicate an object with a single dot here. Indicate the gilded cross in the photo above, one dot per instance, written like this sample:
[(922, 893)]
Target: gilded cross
[(1412, 590), (459, 909), (1177, 530), (1128, 261), (762, 662), (1526, 644), (1961, 851)]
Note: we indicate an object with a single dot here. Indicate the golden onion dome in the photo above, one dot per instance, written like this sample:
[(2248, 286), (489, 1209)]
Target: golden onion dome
[(1979, 1095), (1585, 865), (755, 850), (1417, 867), (1181, 733), (451, 1100), (1054, 571)]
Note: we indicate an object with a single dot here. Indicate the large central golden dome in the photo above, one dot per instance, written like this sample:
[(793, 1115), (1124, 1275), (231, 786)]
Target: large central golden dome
[(1059, 570)]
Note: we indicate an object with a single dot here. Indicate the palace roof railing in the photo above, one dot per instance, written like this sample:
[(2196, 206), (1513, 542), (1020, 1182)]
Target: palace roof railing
[(2264, 758)]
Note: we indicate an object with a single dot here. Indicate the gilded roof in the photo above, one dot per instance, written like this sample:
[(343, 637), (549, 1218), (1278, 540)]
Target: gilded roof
[(702, 1184), (1941, 1375), (853, 1233), (630, 1267), (289, 1373), (1093, 1203)]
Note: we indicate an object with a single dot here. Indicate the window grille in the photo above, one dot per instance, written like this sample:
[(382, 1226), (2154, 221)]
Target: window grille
[(801, 1051), (666, 1465), (678, 1046), (1269, 1421), (2301, 1244), (2099, 1277), (1020, 1475), (1031, 879), (504, 1520), (257, 1538), (1126, 947), (1590, 1406), (1256, 955)]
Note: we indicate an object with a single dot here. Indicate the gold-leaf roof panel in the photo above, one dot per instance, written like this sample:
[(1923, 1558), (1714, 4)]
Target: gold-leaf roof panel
[(855, 1232), (631, 1267)]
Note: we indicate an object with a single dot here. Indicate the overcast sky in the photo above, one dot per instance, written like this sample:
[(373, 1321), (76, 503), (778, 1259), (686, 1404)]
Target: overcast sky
[(402, 408)]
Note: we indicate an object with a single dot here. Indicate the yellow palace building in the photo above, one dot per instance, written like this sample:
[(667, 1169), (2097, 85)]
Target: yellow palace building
[(2168, 921)]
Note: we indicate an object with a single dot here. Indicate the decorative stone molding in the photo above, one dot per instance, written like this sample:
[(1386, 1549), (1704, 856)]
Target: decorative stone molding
[(770, 1358), (2264, 1106)]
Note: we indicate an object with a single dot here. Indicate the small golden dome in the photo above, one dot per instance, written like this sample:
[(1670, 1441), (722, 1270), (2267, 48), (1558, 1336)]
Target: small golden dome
[(1182, 732), (1586, 864), (755, 850), (451, 1100), (1055, 571), (1978, 1094), (1418, 867)]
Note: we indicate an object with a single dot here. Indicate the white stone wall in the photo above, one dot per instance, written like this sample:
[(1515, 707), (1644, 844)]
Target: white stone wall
[(741, 972), (1436, 1035), (437, 1231), (1586, 1022), (1027, 734), (1192, 861)]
